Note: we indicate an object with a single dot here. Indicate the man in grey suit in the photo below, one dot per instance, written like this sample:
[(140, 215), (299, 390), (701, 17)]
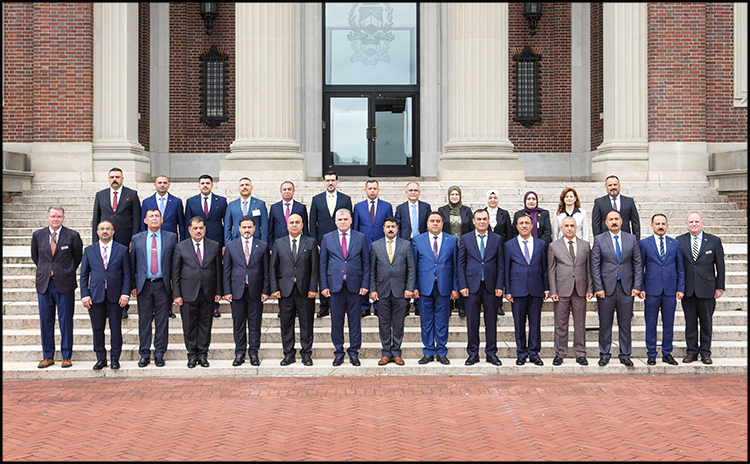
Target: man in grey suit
[(197, 281), (294, 282), (570, 285), (613, 201), (617, 271), (392, 276)]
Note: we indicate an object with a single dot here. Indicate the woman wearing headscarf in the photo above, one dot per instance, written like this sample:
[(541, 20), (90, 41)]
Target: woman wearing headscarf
[(570, 206), (457, 221), (499, 224), (541, 226)]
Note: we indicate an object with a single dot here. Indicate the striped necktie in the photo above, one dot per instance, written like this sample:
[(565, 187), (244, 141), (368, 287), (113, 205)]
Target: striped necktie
[(695, 248)]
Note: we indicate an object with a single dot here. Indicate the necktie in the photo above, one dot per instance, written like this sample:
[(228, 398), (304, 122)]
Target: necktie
[(53, 243), (614, 204), (161, 206), (572, 251), (481, 251), (617, 251), (205, 206), (414, 221), (294, 248), (390, 251), (244, 208), (343, 249), (114, 202), (526, 251), (105, 258), (154, 257), (434, 247), (286, 215), (695, 248), (247, 257), (372, 211), (198, 251), (331, 204), (661, 248)]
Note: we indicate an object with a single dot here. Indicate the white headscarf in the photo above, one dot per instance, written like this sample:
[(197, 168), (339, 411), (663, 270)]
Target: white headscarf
[(492, 211)]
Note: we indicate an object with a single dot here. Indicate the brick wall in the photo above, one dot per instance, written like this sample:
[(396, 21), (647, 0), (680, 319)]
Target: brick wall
[(740, 199), (597, 75), (552, 42), (144, 75), (188, 40)]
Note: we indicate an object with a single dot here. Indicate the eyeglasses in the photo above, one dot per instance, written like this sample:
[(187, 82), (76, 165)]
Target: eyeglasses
[(104, 229)]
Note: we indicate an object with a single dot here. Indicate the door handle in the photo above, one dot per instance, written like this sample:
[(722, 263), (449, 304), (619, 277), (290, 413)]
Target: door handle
[(371, 133)]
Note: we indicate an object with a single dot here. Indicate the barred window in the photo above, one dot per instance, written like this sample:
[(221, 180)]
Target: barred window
[(214, 80), (527, 87)]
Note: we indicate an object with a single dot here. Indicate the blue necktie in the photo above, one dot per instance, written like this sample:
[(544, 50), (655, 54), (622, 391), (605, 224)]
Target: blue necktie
[(161, 206), (414, 221), (661, 248), (481, 251), (617, 251)]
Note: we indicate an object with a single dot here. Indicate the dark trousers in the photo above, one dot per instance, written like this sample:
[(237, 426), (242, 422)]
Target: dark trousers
[(622, 303), (346, 303), (651, 307), (65, 304), (247, 317), (474, 302), (299, 305), (197, 319), (153, 305), (391, 317), (99, 313), (434, 316), (698, 310), (528, 308)]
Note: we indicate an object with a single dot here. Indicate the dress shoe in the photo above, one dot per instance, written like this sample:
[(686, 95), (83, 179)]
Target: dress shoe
[(557, 361), (192, 362), (100, 365), (124, 313), (384, 360), (603, 361), (706, 359), (203, 361), (159, 362), (47, 362), (493, 359), (172, 315), (537, 361), (689, 358), (426, 359), (471, 360), (144, 362), (289, 359), (627, 362), (416, 311), (217, 313), (582, 361), (254, 361), (398, 360), (323, 313), (66, 363), (520, 361), (238, 360), (338, 360), (115, 364), (307, 360), (354, 360), (667, 358), (461, 313), (651, 361), (443, 359), (500, 312), (365, 312)]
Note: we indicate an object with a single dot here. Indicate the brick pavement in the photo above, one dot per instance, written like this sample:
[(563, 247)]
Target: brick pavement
[(389, 418)]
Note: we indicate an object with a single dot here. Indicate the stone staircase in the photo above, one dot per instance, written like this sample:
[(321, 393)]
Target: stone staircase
[(676, 199)]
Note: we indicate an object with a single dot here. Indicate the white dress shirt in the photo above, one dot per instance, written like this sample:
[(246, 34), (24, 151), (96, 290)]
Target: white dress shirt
[(439, 240), (530, 241)]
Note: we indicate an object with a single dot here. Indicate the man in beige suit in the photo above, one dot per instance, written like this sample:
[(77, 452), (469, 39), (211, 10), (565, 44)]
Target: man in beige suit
[(570, 285)]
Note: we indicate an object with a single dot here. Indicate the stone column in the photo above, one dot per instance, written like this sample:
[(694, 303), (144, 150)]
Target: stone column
[(115, 141), (264, 147), (624, 151), (478, 147)]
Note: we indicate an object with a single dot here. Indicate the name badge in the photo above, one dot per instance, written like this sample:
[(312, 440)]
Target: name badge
[(709, 252), (65, 247), (256, 212)]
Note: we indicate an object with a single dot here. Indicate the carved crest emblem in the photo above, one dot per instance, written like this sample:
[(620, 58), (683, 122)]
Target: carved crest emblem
[(370, 36)]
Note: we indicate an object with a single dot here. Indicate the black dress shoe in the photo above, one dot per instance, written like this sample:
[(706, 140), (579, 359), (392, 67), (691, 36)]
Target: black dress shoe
[(667, 358), (307, 360), (365, 312), (582, 361), (426, 359), (520, 361), (323, 312), (493, 359), (443, 359), (144, 362), (171, 314), (537, 361), (100, 365), (338, 360), (192, 362), (159, 362), (115, 364), (289, 359), (603, 361), (254, 360), (238, 360), (651, 361), (203, 362), (354, 360), (627, 362), (500, 312), (557, 361), (125, 314), (471, 360), (461, 313)]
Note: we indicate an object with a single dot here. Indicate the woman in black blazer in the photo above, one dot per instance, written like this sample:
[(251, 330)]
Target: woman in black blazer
[(457, 221), (542, 227), (500, 223)]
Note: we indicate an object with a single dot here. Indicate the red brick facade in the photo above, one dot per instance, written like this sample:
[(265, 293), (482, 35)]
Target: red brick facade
[(596, 66), (144, 74)]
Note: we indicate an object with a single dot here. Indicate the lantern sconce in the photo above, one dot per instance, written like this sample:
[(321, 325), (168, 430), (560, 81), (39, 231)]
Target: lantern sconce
[(209, 12), (532, 12)]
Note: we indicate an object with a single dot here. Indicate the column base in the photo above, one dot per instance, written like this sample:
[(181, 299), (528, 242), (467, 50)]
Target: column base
[(627, 161), (127, 156), (275, 160)]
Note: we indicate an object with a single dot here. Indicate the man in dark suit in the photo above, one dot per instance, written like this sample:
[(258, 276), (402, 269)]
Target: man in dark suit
[(197, 284), (631, 222), (322, 213), (703, 258), (56, 252), (170, 206), (617, 270), (436, 261), (120, 206), (345, 277), (280, 212), (247, 287), (526, 287), (663, 285), (294, 282), (392, 278), (212, 208), (411, 216), (151, 267), (368, 216), (243, 206), (570, 285), (481, 278), (105, 290)]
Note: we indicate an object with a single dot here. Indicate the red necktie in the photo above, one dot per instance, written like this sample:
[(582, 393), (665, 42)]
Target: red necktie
[(247, 257), (372, 211), (154, 256), (198, 251), (343, 249), (205, 206), (286, 215), (114, 202)]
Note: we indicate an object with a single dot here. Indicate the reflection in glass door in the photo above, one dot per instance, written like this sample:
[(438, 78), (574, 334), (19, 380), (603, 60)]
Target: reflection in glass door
[(349, 123)]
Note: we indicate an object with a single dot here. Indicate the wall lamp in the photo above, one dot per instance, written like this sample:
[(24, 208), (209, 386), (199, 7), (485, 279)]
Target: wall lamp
[(209, 12), (532, 12)]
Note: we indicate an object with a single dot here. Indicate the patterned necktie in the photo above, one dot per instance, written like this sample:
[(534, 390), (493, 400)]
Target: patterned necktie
[(481, 251), (435, 247), (390, 251), (198, 251), (695, 248), (154, 257), (662, 255), (614, 203), (114, 202), (205, 206), (331, 204), (526, 251), (53, 243), (414, 221), (244, 208), (247, 257), (294, 248), (105, 258), (372, 211), (286, 215), (572, 251), (619, 254)]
